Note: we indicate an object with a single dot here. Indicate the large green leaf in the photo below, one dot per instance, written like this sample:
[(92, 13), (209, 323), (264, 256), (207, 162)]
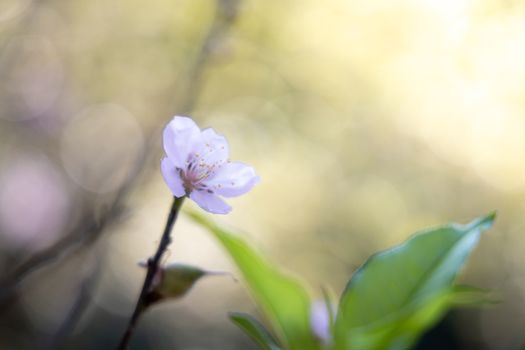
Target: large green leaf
[(399, 293), (255, 330), (283, 300)]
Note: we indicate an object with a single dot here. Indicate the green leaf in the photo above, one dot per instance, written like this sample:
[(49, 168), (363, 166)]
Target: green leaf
[(283, 299), (399, 293), (404, 331), (255, 330)]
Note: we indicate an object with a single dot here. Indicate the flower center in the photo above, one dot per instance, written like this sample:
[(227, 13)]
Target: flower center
[(198, 169)]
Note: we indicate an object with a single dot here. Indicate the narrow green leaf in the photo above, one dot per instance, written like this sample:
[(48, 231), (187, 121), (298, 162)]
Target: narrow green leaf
[(283, 299), (462, 295), (255, 330), (404, 289)]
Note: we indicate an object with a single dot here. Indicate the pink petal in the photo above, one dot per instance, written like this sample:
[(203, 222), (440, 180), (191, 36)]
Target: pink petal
[(172, 177), (210, 202), (233, 179), (213, 148), (179, 138)]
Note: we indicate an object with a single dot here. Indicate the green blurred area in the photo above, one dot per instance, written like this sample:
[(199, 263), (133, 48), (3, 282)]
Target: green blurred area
[(366, 120)]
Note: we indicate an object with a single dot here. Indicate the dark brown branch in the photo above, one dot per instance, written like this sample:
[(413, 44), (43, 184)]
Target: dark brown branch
[(153, 267)]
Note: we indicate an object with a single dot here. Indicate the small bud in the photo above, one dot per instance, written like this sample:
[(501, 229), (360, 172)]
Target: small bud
[(175, 280), (320, 320)]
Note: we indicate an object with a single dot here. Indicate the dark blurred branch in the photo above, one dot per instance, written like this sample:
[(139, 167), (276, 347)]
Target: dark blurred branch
[(88, 234), (226, 13), (86, 237), (83, 235), (77, 309), (153, 267)]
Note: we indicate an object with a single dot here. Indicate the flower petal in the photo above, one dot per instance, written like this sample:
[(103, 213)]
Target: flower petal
[(213, 148), (210, 202), (172, 177), (233, 179), (180, 136)]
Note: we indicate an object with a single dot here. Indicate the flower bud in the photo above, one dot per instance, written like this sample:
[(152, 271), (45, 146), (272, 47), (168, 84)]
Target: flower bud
[(321, 319), (175, 280)]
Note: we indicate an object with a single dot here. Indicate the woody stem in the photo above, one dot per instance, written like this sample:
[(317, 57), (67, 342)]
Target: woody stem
[(153, 267)]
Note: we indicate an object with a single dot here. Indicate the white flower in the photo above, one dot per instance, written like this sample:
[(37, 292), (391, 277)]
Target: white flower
[(197, 166)]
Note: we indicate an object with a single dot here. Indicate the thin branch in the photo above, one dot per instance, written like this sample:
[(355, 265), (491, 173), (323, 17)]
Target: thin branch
[(153, 267)]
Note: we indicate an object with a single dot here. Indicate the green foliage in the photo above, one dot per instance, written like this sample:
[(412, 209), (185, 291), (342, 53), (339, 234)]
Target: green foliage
[(387, 305), (399, 293), (255, 330), (282, 299)]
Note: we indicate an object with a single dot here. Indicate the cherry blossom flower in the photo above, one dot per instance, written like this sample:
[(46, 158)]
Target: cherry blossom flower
[(197, 166)]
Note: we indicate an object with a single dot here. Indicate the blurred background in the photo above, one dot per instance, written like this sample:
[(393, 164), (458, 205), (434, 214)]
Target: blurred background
[(366, 120)]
